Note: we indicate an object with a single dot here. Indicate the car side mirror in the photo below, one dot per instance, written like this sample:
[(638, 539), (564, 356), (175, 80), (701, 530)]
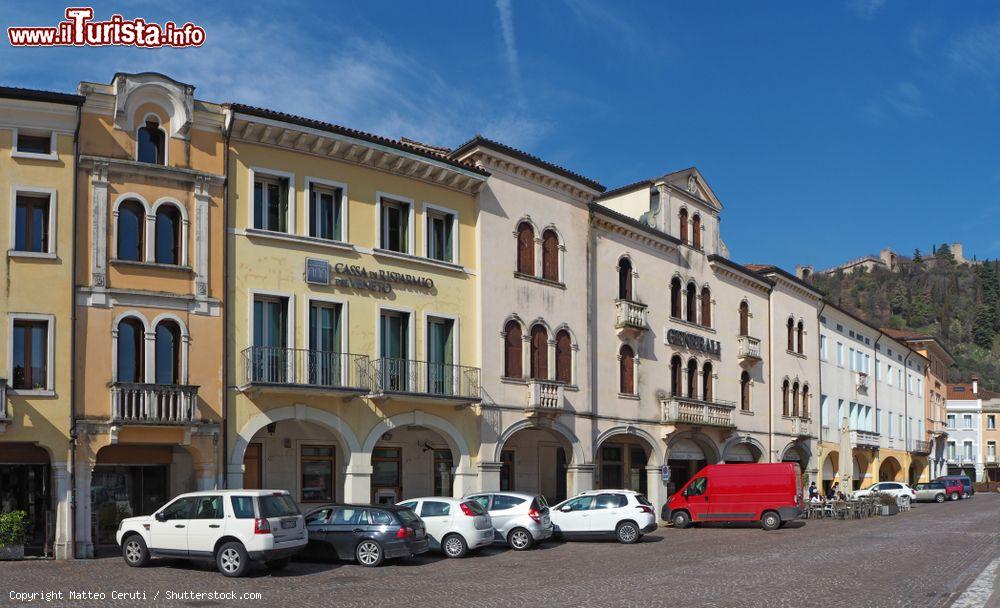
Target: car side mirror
[(160, 516), (565, 508)]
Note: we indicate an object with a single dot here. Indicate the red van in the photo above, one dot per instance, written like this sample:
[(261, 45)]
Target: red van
[(766, 492)]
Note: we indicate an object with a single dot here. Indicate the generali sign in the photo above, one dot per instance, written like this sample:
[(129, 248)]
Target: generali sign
[(676, 337)]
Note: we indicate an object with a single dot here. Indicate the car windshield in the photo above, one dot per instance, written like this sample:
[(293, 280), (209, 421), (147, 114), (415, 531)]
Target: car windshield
[(475, 507), (407, 516), (643, 500), (280, 505)]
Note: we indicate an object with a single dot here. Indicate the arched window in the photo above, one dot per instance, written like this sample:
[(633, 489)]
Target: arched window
[(744, 318), (745, 391), (784, 398), (684, 225), (805, 401), (151, 141), (696, 231), (131, 226), (131, 337), (625, 279), (525, 249), (626, 370), (539, 353), (564, 357), (799, 331), (512, 349), (706, 306), (550, 255), (706, 381), (692, 303), (675, 298), (675, 376), (791, 334), (168, 235), (692, 379), (168, 353), (795, 399)]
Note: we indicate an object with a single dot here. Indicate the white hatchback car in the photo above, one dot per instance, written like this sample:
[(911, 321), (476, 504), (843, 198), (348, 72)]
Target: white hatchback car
[(454, 525), (231, 527), (622, 514), (900, 490)]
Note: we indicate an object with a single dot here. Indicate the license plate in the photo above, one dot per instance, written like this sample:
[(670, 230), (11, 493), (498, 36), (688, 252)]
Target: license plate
[(287, 524), (419, 534)]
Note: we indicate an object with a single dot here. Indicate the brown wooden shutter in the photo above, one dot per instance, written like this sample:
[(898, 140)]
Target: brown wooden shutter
[(706, 307), (744, 319), (526, 249), (512, 350), (550, 256), (539, 353), (696, 231), (564, 357), (626, 371), (684, 225)]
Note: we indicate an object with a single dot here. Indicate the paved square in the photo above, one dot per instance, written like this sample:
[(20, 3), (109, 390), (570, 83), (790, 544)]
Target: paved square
[(926, 557)]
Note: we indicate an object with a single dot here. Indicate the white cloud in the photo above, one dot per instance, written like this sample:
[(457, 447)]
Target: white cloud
[(506, 14), (978, 51), (866, 9), (602, 17), (904, 99)]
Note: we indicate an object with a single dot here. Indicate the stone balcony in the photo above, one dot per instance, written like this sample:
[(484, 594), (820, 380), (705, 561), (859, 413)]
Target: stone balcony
[(545, 398), (685, 410), (749, 349), (865, 440), (154, 404), (802, 427), (631, 318)]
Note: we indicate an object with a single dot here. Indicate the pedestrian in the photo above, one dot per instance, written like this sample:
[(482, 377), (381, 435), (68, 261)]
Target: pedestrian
[(813, 491), (834, 489)]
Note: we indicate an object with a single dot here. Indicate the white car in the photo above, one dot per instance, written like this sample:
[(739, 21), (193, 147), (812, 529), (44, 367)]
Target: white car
[(623, 514), (454, 525), (893, 488), (231, 527)]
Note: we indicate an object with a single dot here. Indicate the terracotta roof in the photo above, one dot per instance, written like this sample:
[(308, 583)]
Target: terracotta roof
[(479, 140), (362, 135), (963, 390), (758, 267), (38, 95), (905, 334)]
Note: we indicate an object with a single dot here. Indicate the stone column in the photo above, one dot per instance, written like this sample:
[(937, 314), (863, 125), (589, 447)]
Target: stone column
[(358, 480), (489, 476), (234, 477), (579, 478), (656, 488), (202, 201), (63, 497), (465, 482), (204, 473), (84, 542)]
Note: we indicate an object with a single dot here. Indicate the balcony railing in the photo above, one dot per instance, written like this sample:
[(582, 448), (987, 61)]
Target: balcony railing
[(425, 378), (677, 409), (545, 396), (137, 403), (802, 427), (862, 381), (864, 439), (310, 368), (631, 315), (991, 459), (749, 348), (921, 446)]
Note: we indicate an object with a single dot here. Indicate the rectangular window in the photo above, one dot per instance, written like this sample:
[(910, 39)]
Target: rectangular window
[(394, 350), (991, 422), (888, 369), (822, 347), (440, 356), (967, 421), (824, 411), (951, 450), (442, 472), (316, 463), (325, 205), (967, 450), (900, 429), (991, 451), (270, 203), (395, 226), (31, 223), (888, 424), (899, 377), (270, 339), (868, 363), (325, 357), (440, 240), (37, 143), (951, 421), (840, 412), (840, 354), (30, 355)]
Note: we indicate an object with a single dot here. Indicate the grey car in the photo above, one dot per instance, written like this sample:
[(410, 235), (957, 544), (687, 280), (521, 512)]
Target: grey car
[(519, 520), (933, 490)]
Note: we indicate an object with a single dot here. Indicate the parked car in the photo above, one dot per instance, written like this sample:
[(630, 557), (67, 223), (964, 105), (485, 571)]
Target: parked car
[(936, 491), (520, 520), (954, 488), (232, 527), (968, 489), (900, 490), (368, 534), (766, 492), (454, 525), (622, 514)]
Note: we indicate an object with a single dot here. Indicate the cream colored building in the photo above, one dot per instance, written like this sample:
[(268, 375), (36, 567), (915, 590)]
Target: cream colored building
[(37, 162)]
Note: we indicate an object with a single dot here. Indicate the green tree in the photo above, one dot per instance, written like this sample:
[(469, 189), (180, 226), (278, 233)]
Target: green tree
[(917, 258), (944, 254), (983, 330)]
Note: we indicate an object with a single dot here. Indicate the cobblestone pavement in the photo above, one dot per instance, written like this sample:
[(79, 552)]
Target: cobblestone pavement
[(926, 557)]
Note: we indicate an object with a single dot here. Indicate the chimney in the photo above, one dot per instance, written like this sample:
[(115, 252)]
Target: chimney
[(975, 385)]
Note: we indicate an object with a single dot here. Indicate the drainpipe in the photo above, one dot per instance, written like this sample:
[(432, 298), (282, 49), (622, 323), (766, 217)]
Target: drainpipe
[(225, 309), (906, 407), (770, 387), (875, 380), (71, 550), (819, 324)]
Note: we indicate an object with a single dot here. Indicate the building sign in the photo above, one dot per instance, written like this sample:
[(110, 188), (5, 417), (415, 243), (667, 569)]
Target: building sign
[(677, 337), (353, 276)]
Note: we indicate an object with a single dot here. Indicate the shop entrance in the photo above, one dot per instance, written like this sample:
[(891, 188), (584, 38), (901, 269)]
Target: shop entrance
[(24, 486), (127, 481), (685, 459), (622, 465), (409, 462), (534, 460)]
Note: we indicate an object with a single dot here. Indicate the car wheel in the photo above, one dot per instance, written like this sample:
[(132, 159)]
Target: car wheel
[(232, 559), (454, 546), (135, 552), (954, 496), (939, 498), (277, 564), (520, 539), (369, 554), (770, 521), (680, 519), (627, 533)]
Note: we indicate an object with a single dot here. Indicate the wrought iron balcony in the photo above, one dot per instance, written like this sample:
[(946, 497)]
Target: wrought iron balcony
[(921, 446), (155, 404), (862, 381), (864, 439), (545, 396), (424, 378), (632, 316), (686, 410), (276, 366), (749, 348)]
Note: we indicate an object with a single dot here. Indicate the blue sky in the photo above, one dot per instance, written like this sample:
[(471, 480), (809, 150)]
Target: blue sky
[(829, 130)]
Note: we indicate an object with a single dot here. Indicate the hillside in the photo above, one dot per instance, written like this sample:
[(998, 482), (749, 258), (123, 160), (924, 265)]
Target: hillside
[(957, 303)]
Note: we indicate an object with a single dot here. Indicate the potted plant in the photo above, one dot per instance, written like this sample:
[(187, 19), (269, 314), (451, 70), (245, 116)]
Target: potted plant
[(888, 504), (13, 533)]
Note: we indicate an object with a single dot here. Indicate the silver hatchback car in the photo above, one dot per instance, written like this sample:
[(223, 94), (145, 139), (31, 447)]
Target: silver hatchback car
[(519, 520)]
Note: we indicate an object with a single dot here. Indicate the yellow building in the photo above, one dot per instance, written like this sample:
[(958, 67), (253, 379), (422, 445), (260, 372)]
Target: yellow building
[(37, 138), (149, 328), (353, 340)]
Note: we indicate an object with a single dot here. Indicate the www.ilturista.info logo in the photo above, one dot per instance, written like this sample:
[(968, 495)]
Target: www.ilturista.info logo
[(80, 29)]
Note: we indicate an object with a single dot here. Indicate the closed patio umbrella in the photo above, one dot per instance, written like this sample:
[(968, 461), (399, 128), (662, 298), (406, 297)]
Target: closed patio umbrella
[(846, 461)]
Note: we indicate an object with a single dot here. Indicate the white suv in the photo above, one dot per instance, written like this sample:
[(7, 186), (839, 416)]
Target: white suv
[(622, 514), (232, 527)]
